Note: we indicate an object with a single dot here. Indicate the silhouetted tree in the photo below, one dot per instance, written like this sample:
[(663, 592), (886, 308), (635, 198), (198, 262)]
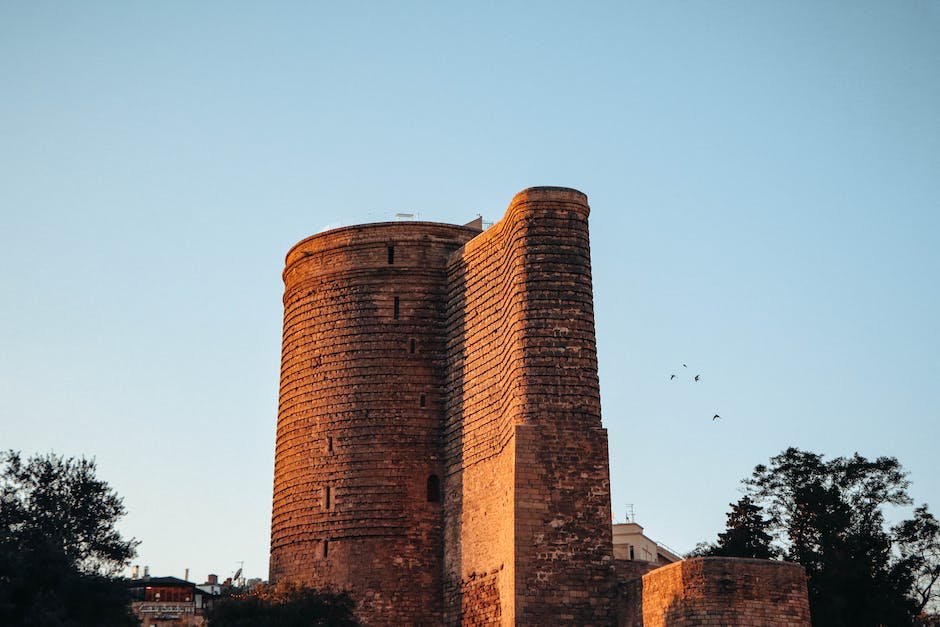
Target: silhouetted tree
[(284, 605), (919, 542), (58, 544), (746, 533), (827, 516)]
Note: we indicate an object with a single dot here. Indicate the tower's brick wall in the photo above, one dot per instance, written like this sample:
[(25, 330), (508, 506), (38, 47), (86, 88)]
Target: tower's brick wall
[(718, 591), (564, 563), (360, 413)]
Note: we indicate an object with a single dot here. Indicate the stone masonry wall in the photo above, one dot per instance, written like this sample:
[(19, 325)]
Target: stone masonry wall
[(360, 414), (719, 592), (484, 397), (527, 506), (564, 554)]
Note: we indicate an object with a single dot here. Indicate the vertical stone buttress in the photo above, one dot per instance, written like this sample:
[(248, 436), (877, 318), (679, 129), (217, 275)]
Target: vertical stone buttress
[(358, 452), (527, 501)]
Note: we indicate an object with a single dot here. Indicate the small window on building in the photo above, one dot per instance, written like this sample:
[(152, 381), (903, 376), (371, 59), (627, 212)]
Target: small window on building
[(412, 345), (423, 400), (391, 255), (434, 489), (329, 444), (326, 548), (396, 308), (327, 497)]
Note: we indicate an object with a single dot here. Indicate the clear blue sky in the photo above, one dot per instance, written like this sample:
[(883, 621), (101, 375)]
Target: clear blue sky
[(765, 185)]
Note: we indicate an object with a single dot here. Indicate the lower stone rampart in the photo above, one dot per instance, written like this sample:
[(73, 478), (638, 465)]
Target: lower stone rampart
[(717, 591)]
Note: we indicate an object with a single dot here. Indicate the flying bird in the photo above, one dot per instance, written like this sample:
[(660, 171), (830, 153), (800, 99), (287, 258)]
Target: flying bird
[(672, 377), (715, 417), (696, 377), (684, 366)]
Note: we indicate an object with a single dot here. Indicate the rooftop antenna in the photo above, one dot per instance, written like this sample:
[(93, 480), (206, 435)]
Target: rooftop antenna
[(631, 513)]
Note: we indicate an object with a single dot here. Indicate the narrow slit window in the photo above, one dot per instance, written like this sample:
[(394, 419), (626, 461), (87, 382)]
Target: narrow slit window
[(412, 345), (434, 489), (329, 444), (326, 548), (391, 255), (395, 308), (328, 497), (423, 400)]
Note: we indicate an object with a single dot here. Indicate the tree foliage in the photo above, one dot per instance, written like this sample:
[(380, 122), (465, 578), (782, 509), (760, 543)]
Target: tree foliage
[(919, 545), (829, 517), (58, 544), (747, 534), (284, 605)]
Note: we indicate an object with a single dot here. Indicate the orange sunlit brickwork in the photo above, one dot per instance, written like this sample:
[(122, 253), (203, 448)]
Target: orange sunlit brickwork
[(419, 354), (440, 452)]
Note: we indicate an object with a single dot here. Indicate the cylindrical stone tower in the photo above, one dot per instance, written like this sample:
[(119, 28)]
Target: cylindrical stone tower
[(359, 460)]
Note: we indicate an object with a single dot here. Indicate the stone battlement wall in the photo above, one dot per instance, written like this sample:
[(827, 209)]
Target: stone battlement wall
[(717, 591)]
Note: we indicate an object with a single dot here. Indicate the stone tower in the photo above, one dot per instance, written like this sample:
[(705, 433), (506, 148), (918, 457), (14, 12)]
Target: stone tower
[(439, 445)]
